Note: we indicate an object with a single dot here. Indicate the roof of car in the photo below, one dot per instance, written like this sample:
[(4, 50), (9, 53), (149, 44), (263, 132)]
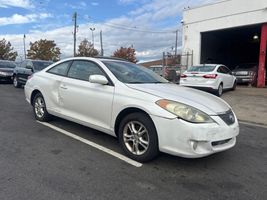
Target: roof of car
[(209, 64)]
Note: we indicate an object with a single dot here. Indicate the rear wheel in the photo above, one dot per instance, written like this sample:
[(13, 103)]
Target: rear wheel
[(138, 137), (39, 108), (16, 82), (219, 90)]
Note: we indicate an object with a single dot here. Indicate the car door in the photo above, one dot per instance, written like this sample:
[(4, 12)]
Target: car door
[(20, 71), (89, 103), (228, 77), (28, 70), (52, 84)]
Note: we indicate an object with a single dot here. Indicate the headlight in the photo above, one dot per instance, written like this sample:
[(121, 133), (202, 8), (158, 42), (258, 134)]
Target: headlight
[(184, 112)]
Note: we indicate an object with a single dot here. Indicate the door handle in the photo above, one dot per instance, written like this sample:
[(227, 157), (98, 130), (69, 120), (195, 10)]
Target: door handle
[(63, 87)]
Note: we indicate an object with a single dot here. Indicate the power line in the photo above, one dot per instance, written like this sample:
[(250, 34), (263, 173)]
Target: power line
[(125, 27)]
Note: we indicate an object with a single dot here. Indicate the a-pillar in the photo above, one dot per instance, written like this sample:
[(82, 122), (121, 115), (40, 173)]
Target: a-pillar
[(262, 58)]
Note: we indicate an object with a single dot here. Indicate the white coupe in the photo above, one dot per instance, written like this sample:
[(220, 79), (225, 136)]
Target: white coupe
[(147, 113)]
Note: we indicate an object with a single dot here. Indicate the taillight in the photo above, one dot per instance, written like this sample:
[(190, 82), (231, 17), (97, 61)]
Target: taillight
[(183, 76), (212, 76)]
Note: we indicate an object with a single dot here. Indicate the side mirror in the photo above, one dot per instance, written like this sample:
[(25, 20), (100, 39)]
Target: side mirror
[(29, 67), (98, 79)]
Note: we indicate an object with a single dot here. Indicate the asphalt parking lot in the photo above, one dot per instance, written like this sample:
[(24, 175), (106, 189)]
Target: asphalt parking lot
[(37, 162)]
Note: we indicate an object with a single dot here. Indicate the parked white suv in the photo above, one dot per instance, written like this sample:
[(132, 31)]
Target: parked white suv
[(146, 112)]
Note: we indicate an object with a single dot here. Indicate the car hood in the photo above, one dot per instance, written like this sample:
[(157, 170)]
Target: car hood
[(203, 101), (244, 69), (6, 69)]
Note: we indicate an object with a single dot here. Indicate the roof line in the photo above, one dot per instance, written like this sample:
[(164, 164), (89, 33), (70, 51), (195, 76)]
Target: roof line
[(208, 4)]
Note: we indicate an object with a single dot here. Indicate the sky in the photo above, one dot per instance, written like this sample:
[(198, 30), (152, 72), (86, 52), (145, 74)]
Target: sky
[(147, 25)]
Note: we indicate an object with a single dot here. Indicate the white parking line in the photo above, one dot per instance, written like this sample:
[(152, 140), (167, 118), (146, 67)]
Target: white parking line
[(97, 146)]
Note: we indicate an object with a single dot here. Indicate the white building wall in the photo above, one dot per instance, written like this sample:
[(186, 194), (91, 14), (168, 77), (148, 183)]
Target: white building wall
[(220, 15)]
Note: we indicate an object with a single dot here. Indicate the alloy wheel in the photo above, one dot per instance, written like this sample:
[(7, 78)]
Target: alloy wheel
[(39, 107), (136, 137)]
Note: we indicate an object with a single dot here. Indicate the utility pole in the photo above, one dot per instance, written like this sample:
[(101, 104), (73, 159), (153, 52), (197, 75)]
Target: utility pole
[(101, 44), (176, 43), (74, 33), (24, 37), (92, 29)]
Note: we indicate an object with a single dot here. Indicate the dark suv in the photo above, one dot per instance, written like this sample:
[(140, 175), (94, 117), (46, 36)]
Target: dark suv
[(246, 73), (26, 69)]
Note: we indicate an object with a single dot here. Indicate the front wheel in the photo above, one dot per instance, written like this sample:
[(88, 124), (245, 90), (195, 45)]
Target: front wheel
[(16, 82), (39, 108), (138, 137)]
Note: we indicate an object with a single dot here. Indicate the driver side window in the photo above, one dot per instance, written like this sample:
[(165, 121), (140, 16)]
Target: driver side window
[(83, 69)]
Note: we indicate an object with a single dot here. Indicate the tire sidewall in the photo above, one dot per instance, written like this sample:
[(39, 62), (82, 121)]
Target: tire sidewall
[(220, 92), (152, 150), (15, 82), (46, 116)]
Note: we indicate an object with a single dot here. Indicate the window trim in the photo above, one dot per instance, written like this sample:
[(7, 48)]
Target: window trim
[(110, 82), (68, 67)]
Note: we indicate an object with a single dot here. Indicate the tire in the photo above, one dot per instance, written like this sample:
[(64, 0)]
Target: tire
[(138, 137), (234, 86), (219, 90), (39, 108), (16, 82)]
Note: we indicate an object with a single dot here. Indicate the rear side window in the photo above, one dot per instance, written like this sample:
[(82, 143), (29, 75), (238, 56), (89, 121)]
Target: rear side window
[(60, 69), (83, 69)]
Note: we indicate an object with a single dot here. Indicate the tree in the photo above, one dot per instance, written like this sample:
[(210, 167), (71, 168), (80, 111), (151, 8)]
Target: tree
[(87, 49), (126, 53), (44, 50), (6, 51)]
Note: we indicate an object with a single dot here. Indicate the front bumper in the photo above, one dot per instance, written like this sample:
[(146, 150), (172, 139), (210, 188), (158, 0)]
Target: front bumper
[(190, 140), (6, 77)]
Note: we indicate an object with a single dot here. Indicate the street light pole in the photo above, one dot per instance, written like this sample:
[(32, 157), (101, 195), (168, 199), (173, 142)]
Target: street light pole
[(92, 29), (176, 43), (24, 37)]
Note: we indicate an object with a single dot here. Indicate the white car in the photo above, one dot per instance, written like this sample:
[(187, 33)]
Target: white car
[(147, 113), (209, 77)]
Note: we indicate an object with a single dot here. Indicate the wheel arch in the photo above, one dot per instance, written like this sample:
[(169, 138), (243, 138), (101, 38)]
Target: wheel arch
[(126, 112), (34, 92)]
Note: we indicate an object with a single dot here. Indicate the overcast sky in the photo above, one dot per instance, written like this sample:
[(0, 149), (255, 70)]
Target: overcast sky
[(148, 25)]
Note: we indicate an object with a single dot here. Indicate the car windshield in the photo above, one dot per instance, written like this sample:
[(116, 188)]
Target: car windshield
[(7, 64), (39, 65), (202, 68), (131, 73)]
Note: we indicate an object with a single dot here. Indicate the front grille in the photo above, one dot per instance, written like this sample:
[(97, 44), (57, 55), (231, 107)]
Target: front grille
[(228, 117), (242, 73), (221, 142)]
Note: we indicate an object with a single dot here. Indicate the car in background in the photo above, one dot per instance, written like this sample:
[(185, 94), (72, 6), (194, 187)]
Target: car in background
[(246, 73), (171, 73), (209, 77), (26, 69), (143, 110), (6, 70), (157, 69)]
